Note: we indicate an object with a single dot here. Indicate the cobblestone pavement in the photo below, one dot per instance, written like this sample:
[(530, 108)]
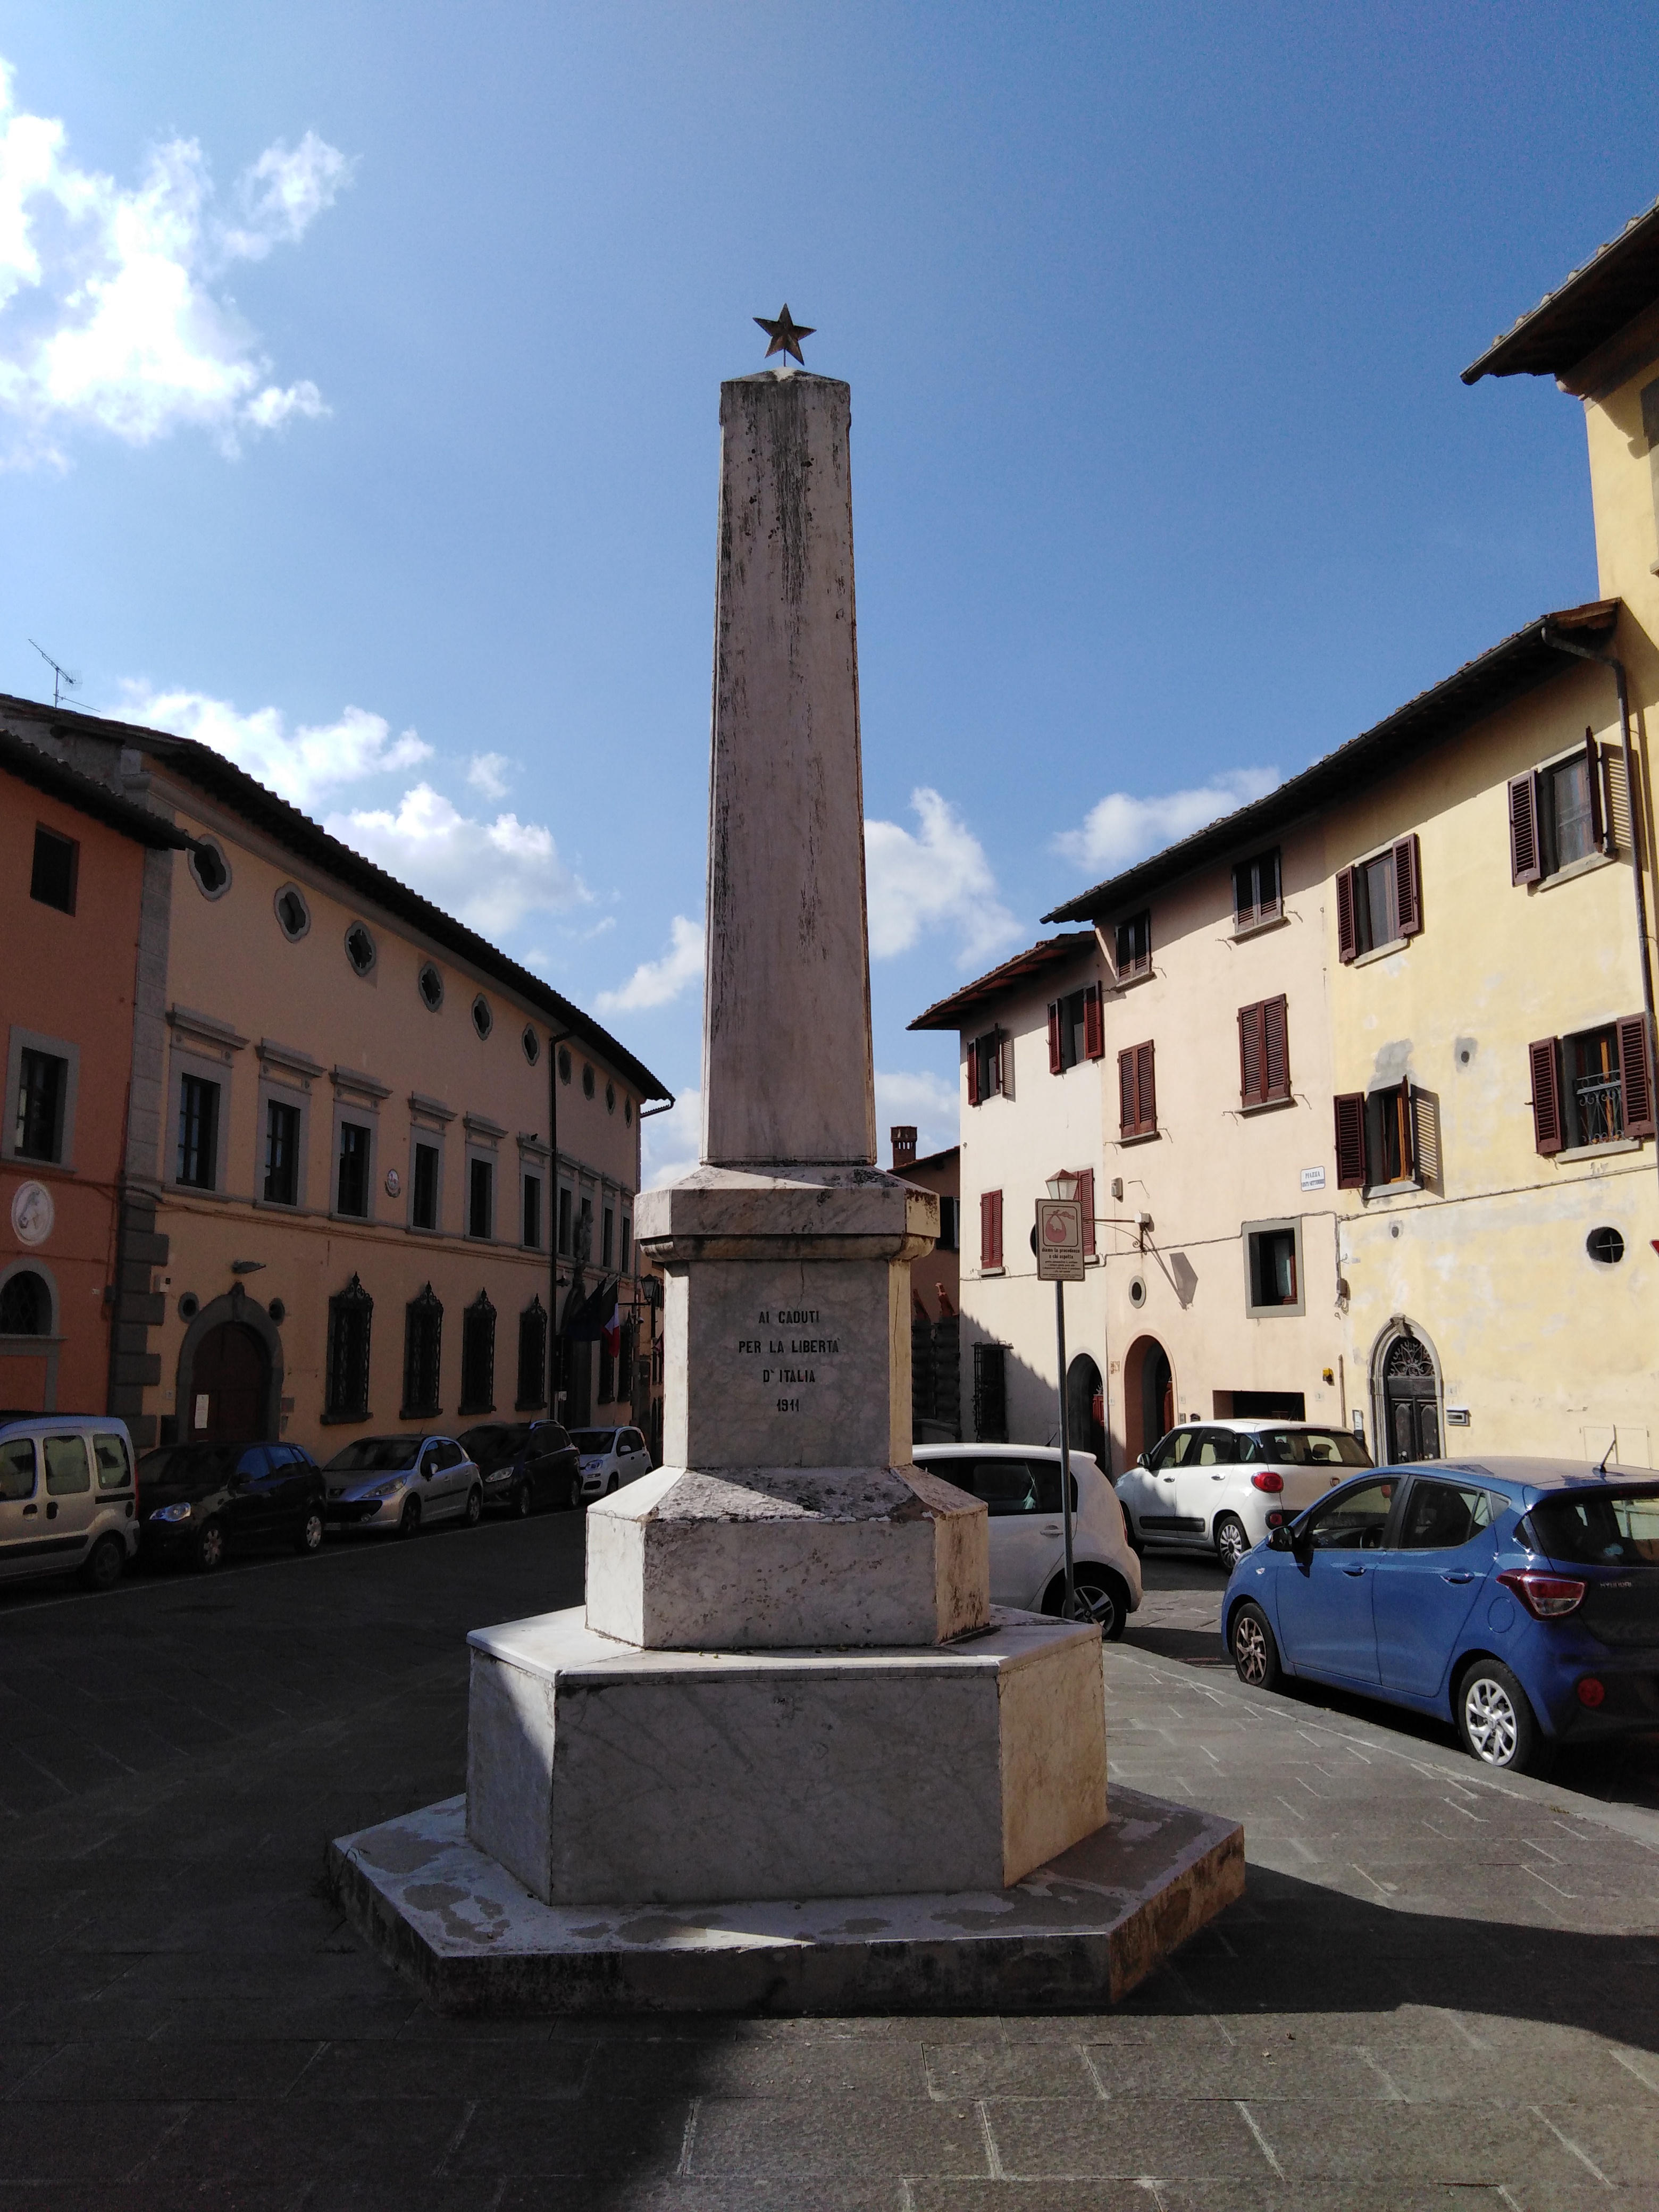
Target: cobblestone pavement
[(1439, 1990)]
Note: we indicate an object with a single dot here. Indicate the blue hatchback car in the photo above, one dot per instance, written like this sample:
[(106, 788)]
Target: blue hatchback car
[(1517, 1597)]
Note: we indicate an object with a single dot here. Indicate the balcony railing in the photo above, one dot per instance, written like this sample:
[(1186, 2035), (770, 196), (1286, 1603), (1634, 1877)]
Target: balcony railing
[(1598, 1102)]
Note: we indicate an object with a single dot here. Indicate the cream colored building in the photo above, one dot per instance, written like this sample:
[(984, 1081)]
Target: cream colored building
[(373, 1168), (1375, 1086)]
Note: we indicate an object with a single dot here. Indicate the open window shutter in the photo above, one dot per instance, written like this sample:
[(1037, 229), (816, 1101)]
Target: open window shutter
[(1145, 1090), (1276, 1048), (1408, 898), (1524, 867), (996, 1228), (1086, 1191), (1636, 1076), (1056, 1057), (1407, 1133), (1346, 944), (1598, 811), (990, 1229), (1125, 1093), (1351, 1140), (1005, 1064), (1094, 1025), (1545, 1059), (1249, 1055), (973, 1070)]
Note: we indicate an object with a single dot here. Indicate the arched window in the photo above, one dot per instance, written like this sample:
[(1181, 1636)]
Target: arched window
[(350, 1314), (25, 1305), (532, 1357), (424, 1324), (478, 1357)]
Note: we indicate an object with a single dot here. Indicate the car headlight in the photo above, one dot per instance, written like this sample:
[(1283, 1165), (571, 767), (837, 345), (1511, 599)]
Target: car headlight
[(385, 1489), (171, 1513), (499, 1475)]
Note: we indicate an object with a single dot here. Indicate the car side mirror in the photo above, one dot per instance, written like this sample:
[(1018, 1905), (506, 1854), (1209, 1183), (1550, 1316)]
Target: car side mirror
[(1280, 1539), (1140, 1459)]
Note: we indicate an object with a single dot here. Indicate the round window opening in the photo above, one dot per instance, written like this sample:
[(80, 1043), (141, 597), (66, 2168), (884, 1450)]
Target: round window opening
[(483, 1020), (210, 867), (278, 1311), (1605, 1245), (430, 985), (564, 1065), (533, 1045), (188, 1306), (1137, 1292), (610, 1097), (359, 948), (293, 914), (588, 1082)]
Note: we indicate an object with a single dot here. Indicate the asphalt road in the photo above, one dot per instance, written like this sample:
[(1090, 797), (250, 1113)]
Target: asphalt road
[(1439, 1990)]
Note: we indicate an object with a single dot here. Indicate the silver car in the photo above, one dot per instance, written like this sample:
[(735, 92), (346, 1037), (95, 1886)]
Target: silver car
[(610, 1457), (1020, 1485), (67, 1498), (399, 1484)]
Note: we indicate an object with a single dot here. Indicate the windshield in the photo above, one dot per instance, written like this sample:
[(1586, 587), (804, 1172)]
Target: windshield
[(1605, 1529), (494, 1441), (593, 1442), (1315, 1447), (189, 1463), (376, 1455)]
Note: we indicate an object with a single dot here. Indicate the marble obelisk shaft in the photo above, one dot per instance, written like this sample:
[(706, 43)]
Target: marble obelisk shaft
[(786, 1073)]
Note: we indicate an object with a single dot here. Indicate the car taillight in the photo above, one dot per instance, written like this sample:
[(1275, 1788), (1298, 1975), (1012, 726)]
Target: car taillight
[(1269, 1481), (1546, 1598), (1592, 1692)]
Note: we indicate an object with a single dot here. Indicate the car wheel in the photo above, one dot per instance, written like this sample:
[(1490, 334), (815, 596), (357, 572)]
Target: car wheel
[(1100, 1597), (474, 1506), (210, 1548), (522, 1500), (1231, 1544), (1132, 1536), (1256, 1653), (105, 1563), (308, 1537), (614, 1483), (1495, 1722), (408, 1521)]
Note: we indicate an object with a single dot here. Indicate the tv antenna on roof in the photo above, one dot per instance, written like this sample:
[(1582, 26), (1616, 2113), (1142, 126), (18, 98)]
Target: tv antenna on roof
[(59, 676)]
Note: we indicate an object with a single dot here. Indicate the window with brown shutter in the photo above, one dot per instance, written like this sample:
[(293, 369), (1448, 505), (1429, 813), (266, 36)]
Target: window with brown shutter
[(1005, 1082), (990, 1229), (1636, 1076), (1351, 1140), (1264, 1054), (1347, 948), (1593, 779), (1085, 1193), (1545, 1057), (1137, 1092), (1094, 1024), (1256, 890), (1056, 1053), (986, 1067), (1408, 903), (1134, 946), (1390, 1136), (1524, 868), (973, 1070)]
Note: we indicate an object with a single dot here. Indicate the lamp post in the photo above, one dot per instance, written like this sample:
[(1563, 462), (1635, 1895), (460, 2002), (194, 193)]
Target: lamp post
[(1059, 1261)]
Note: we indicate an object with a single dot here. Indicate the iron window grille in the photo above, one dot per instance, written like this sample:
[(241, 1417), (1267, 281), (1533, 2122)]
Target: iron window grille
[(424, 1325), (478, 1357), (532, 1357), (198, 1133), (350, 1319)]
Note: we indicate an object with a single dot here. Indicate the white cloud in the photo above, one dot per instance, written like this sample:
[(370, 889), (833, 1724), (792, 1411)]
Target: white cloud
[(671, 1143), (928, 1102), (940, 879), (491, 874), (1120, 830), (655, 982), (487, 772), (107, 317), (300, 764)]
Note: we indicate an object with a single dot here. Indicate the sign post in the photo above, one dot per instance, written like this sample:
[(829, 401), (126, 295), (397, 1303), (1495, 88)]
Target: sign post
[(1060, 1262)]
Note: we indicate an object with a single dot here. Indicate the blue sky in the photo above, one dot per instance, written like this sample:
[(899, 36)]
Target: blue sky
[(359, 371)]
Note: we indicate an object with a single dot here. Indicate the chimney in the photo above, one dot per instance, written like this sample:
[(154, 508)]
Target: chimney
[(904, 1148)]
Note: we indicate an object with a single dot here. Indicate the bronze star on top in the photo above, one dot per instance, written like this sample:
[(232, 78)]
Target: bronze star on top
[(785, 334)]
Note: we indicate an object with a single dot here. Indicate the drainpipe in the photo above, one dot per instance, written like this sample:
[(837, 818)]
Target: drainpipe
[(553, 1361), (1611, 660)]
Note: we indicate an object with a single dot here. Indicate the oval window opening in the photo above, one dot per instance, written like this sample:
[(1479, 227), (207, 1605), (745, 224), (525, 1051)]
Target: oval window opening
[(483, 1019), (359, 948), (210, 867), (564, 1065), (1137, 1292), (610, 1097), (430, 984), (293, 915), (533, 1045), (1605, 1245), (588, 1082)]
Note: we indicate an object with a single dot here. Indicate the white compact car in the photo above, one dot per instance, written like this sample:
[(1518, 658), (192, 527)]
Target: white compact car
[(1020, 1486), (610, 1457), (1210, 1486)]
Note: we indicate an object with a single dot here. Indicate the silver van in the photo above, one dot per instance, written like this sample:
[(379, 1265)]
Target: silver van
[(68, 1498)]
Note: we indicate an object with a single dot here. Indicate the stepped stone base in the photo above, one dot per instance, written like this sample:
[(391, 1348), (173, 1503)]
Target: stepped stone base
[(598, 1771), (1075, 1934)]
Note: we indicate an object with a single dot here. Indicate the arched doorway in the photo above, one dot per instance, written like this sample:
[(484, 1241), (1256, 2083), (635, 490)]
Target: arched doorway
[(1085, 1410), (229, 1384), (1148, 1396), (29, 1342), (1407, 1397)]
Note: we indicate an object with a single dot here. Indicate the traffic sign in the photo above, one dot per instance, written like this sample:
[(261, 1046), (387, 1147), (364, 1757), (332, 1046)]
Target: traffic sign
[(1060, 1240)]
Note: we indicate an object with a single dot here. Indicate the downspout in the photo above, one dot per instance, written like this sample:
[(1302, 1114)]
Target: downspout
[(1611, 660), (553, 1044)]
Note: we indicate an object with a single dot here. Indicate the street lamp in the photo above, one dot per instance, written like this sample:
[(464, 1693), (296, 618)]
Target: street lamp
[(1052, 1260)]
